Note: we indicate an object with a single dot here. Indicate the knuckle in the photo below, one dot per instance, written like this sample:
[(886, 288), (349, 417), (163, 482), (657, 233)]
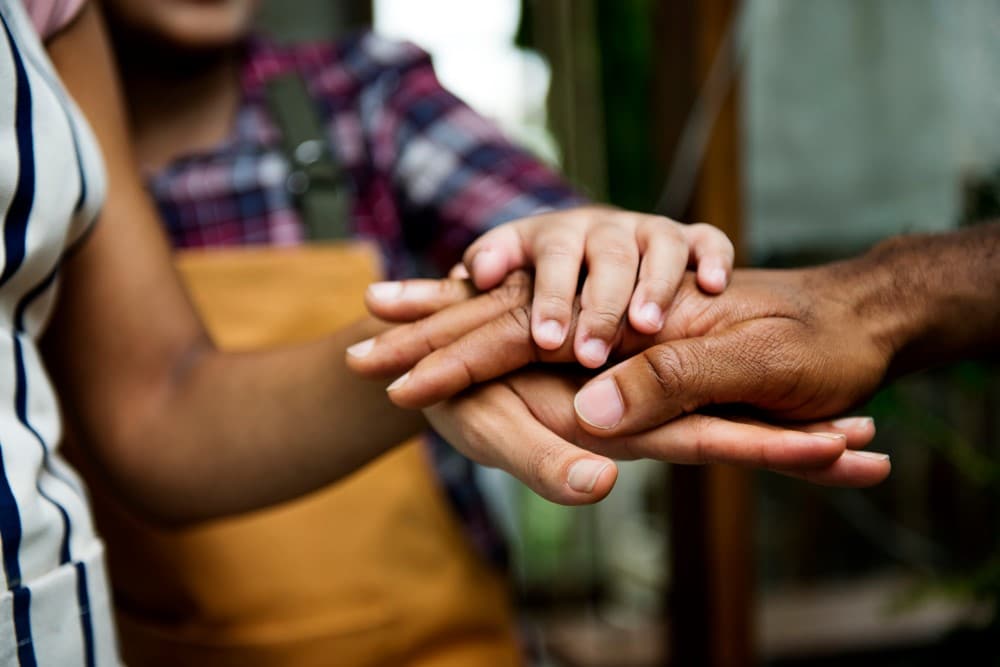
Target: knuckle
[(617, 253), (458, 360), (660, 220), (540, 465), (604, 319), (672, 373), (552, 303), (520, 278), (422, 335), (517, 321), (515, 290), (521, 317), (757, 454), (445, 290), (701, 440), (665, 228), (658, 287), (703, 229), (556, 246)]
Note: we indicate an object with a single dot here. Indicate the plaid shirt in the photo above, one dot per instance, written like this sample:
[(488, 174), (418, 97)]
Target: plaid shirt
[(428, 176)]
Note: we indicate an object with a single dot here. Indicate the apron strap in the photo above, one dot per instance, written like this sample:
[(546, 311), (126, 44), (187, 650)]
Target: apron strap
[(319, 186)]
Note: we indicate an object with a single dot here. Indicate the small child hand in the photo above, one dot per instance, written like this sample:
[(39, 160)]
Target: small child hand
[(633, 261)]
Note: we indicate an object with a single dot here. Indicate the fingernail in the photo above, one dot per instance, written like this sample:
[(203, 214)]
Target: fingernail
[(652, 315), (717, 277), (875, 456), (594, 351), (583, 475), (830, 436), (387, 291), (460, 272), (361, 349), (398, 382), (550, 334), (599, 404), (419, 291), (482, 261), (853, 422)]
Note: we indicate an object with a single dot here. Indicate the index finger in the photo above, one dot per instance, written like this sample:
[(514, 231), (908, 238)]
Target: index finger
[(501, 345), (409, 300), (401, 347), (497, 346), (824, 453)]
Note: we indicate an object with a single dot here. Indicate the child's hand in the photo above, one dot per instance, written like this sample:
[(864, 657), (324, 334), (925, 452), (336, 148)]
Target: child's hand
[(633, 261)]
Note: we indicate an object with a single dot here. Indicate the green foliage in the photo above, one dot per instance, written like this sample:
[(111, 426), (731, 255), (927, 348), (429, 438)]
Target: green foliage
[(953, 412), (625, 31)]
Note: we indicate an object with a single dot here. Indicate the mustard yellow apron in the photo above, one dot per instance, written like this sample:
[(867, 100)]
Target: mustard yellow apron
[(373, 570)]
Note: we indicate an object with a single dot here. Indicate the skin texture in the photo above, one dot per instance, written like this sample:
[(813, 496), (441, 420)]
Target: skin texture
[(525, 424), (743, 347), (788, 345), (814, 343), (634, 265), (457, 346)]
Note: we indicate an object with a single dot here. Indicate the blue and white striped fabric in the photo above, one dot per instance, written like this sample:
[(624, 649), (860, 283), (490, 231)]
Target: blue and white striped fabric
[(55, 608)]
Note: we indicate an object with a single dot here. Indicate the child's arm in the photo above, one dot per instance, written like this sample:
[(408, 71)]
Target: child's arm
[(186, 431)]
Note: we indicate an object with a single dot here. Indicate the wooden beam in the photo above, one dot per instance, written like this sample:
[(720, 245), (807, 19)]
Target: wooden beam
[(713, 571), (565, 32)]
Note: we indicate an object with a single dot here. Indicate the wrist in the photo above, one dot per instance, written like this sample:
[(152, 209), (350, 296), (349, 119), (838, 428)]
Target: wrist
[(880, 291), (877, 312), (930, 298)]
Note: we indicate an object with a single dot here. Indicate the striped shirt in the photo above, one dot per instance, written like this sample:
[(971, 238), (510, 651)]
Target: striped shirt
[(55, 608)]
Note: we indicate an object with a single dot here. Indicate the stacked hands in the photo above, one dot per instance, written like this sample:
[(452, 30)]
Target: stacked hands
[(705, 366)]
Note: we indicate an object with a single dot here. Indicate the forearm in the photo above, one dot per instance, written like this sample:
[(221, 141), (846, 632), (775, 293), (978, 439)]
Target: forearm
[(236, 432), (185, 431), (930, 298)]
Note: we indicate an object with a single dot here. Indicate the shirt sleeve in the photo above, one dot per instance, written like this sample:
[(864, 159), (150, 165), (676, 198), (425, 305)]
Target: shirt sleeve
[(51, 16), (454, 173)]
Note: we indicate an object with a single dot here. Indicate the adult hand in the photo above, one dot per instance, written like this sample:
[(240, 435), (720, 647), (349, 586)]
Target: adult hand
[(526, 425), (499, 342), (793, 344), (790, 343), (811, 343)]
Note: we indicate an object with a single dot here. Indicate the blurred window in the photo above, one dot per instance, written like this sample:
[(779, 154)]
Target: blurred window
[(865, 119), (472, 44)]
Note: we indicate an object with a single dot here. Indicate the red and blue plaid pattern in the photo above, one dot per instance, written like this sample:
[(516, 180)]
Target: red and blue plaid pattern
[(428, 176)]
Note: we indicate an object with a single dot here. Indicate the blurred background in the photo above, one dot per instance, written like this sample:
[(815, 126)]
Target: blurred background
[(808, 131)]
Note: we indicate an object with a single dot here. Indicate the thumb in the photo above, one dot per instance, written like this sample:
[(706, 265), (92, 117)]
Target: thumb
[(676, 378), (494, 427)]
